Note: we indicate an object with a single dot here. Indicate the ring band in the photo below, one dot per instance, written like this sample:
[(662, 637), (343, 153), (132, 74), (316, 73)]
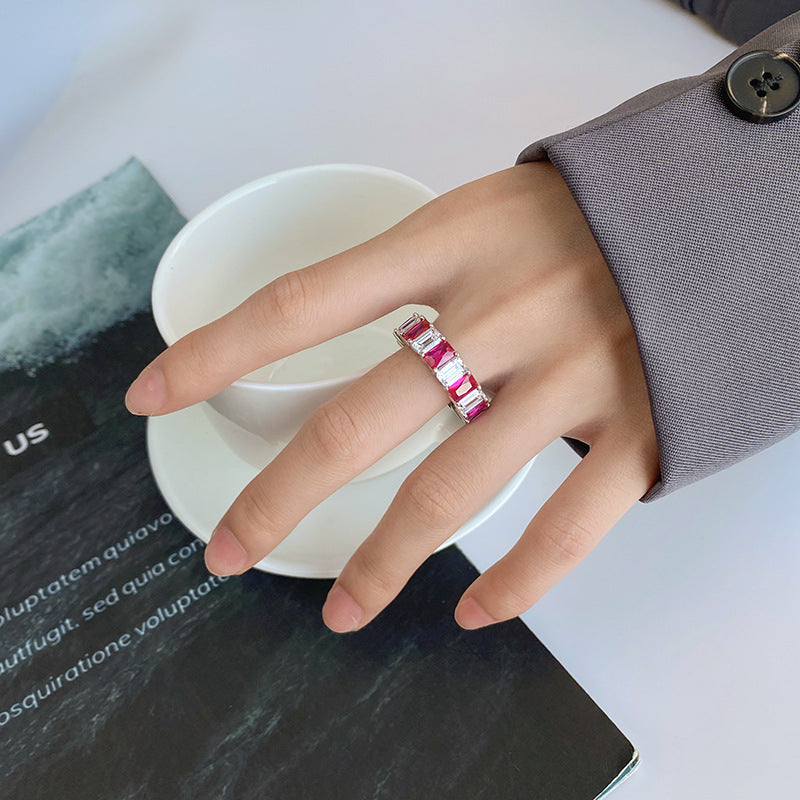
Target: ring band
[(467, 398)]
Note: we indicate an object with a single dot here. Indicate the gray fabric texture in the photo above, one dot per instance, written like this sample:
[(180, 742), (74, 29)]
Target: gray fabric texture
[(696, 213), (740, 20)]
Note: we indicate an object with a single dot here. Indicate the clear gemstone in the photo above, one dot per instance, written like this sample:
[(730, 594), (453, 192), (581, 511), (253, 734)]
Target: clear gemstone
[(452, 372), (402, 329), (427, 338), (473, 404)]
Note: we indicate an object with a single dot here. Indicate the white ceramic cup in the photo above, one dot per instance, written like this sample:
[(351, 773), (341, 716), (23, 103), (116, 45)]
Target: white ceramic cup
[(253, 235)]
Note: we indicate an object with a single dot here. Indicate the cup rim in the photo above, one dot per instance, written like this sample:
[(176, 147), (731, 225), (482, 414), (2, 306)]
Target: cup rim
[(168, 332)]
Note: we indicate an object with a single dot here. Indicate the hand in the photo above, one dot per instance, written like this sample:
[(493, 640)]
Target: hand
[(525, 296)]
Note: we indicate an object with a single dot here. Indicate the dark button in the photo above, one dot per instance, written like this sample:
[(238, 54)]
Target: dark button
[(763, 86)]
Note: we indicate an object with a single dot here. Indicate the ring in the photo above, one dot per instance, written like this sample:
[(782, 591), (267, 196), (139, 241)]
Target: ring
[(467, 398)]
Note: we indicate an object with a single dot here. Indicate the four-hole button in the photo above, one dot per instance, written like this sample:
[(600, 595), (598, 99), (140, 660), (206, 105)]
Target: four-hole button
[(763, 86)]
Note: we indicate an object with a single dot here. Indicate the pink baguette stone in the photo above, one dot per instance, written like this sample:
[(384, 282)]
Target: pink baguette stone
[(439, 354), (478, 408), (416, 328), (466, 396), (462, 387)]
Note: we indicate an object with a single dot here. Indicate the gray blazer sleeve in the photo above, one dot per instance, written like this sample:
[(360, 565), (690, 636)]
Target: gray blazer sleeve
[(696, 213), (740, 20)]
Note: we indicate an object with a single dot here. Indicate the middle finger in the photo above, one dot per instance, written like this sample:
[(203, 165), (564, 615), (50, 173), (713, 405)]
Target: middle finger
[(337, 442)]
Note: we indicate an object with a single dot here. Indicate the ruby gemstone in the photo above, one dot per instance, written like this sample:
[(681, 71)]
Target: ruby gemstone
[(476, 409), (439, 354), (415, 330), (462, 387)]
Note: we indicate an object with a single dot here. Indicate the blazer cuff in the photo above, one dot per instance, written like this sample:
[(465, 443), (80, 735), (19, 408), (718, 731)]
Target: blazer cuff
[(696, 213)]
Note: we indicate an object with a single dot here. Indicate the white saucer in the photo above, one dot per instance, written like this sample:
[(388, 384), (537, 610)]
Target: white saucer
[(200, 476)]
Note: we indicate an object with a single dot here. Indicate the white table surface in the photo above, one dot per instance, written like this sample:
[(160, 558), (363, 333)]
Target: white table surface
[(683, 623)]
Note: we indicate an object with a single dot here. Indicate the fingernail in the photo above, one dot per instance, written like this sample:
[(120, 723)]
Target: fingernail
[(470, 615), (148, 393), (224, 554), (341, 613)]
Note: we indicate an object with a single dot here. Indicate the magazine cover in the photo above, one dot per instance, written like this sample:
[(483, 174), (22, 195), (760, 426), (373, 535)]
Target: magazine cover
[(127, 670)]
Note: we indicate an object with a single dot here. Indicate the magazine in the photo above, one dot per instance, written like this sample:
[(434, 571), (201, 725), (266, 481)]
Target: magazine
[(128, 670)]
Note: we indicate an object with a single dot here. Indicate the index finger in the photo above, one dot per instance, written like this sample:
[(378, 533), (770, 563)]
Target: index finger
[(298, 310)]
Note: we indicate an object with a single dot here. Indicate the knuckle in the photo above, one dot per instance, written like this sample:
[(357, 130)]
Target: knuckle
[(288, 301), (568, 540), (199, 356), (369, 574), (335, 434), (508, 597), (256, 514), (434, 499)]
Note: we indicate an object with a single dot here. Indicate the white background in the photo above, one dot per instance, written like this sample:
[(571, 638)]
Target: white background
[(683, 623)]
